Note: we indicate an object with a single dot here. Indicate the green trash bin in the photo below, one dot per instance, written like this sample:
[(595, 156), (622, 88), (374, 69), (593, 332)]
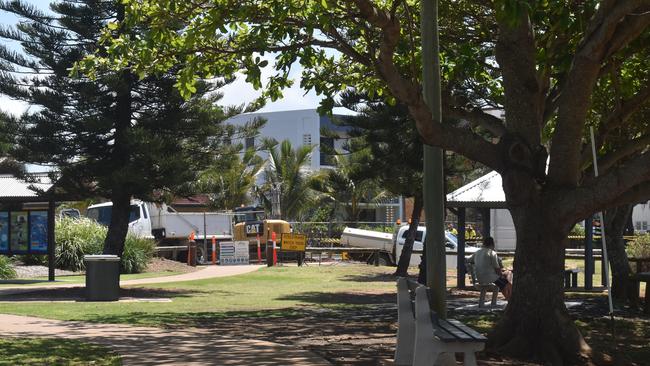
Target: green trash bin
[(102, 277)]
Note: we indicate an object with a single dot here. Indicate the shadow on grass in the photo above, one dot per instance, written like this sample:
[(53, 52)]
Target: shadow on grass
[(342, 298), (372, 277), (360, 335), (78, 294)]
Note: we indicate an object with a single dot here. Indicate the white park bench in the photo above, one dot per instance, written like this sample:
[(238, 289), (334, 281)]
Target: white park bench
[(423, 338)]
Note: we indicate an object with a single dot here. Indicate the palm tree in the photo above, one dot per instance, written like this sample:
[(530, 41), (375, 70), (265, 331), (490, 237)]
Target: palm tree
[(231, 186), (346, 187), (287, 169)]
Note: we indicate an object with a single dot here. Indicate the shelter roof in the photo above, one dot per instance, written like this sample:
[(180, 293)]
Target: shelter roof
[(32, 188), (486, 191)]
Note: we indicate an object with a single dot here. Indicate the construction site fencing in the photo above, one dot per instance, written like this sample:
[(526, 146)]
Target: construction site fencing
[(328, 234)]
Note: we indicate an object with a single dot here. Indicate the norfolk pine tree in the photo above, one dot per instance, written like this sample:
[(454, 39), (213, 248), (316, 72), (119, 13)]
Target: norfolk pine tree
[(118, 136)]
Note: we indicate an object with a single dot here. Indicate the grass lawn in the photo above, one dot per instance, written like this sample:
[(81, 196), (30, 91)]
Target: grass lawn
[(81, 279), (328, 309), (269, 288), (45, 351)]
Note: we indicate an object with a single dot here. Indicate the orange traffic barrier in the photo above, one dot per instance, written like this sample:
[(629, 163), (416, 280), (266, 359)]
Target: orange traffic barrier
[(189, 248)]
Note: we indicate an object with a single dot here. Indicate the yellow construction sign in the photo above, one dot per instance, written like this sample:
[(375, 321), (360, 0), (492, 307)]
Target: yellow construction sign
[(293, 242)]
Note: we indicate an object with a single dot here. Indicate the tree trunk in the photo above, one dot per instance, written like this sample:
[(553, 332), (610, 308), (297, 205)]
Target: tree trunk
[(407, 250), (615, 221), (536, 324), (119, 225), (120, 192)]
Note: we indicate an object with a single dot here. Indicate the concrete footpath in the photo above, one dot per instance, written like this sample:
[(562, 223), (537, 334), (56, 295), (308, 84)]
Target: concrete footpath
[(205, 272), (156, 346)]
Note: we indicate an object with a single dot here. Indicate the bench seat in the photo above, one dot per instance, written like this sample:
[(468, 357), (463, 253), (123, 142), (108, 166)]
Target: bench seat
[(423, 338)]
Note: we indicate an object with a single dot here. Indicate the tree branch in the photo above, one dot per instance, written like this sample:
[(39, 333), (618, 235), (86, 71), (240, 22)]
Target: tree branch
[(574, 99), (477, 117), (618, 117), (408, 92), (637, 194), (515, 53), (631, 147), (604, 191)]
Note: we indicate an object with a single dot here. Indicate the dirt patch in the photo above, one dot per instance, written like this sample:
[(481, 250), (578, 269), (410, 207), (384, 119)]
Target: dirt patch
[(359, 328), (166, 265)]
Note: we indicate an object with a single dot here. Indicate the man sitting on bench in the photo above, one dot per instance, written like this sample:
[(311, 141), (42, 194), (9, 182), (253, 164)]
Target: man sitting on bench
[(489, 269)]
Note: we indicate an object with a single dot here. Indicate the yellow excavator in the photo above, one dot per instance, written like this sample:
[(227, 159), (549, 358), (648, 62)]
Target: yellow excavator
[(251, 222)]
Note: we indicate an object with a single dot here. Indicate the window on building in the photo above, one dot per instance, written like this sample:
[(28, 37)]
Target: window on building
[(326, 145), (645, 226), (249, 143), (637, 225), (306, 139)]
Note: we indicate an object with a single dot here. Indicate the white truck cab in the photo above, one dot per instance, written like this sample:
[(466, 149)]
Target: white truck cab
[(139, 217), (163, 223), (451, 244)]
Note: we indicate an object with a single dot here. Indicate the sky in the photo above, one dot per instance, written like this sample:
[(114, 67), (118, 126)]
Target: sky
[(234, 94)]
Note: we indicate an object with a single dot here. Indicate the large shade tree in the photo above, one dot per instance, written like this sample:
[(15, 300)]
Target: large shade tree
[(541, 61)]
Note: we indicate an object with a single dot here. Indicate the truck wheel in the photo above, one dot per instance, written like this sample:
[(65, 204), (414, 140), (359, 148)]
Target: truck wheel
[(383, 259)]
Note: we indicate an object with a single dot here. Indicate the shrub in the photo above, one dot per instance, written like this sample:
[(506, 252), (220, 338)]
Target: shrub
[(33, 259), (6, 269), (578, 230), (137, 254), (76, 238), (639, 247)]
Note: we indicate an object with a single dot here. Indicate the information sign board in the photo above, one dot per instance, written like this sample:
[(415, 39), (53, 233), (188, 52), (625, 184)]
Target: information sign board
[(18, 240), (38, 232), (231, 253), (4, 232), (293, 242)]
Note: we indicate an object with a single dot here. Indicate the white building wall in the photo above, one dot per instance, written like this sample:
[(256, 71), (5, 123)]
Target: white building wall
[(641, 217), (502, 229), (295, 126)]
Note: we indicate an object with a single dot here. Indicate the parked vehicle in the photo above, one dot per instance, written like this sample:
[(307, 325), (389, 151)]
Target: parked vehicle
[(251, 223), (169, 227), (390, 245)]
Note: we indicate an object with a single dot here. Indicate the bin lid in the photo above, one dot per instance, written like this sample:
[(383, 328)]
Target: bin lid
[(101, 257)]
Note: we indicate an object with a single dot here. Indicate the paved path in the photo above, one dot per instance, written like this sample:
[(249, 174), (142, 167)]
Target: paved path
[(204, 273), (155, 346)]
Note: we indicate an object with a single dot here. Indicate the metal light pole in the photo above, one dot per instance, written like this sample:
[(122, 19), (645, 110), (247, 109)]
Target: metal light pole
[(433, 186)]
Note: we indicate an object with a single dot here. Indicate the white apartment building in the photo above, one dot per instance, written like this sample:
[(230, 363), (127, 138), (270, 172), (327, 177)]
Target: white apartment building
[(303, 127)]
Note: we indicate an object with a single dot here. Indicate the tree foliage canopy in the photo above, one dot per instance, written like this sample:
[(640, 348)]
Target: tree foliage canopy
[(539, 60)]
